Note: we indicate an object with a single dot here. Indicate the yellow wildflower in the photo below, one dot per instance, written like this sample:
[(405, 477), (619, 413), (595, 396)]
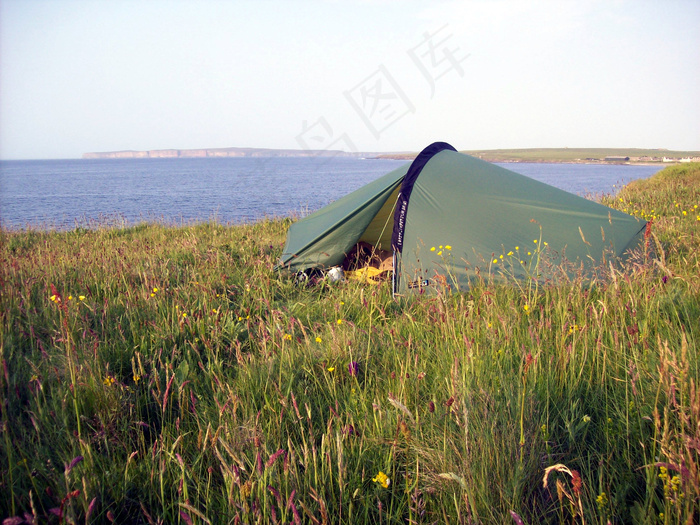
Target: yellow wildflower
[(495, 261), (382, 479), (535, 241), (340, 321), (288, 337), (331, 368), (108, 381), (448, 247), (81, 297), (602, 500), (432, 249), (319, 340), (526, 308), (440, 252)]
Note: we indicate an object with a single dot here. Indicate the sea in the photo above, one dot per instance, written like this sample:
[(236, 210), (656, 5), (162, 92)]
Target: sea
[(93, 193)]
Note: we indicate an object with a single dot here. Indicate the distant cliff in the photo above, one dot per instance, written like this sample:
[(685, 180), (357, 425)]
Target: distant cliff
[(218, 152)]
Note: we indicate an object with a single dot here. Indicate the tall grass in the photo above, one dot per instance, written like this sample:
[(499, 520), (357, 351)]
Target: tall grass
[(159, 374)]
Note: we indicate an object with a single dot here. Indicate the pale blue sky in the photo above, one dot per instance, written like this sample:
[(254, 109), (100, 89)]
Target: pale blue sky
[(78, 76)]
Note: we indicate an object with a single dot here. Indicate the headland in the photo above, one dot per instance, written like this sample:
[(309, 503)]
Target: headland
[(555, 155)]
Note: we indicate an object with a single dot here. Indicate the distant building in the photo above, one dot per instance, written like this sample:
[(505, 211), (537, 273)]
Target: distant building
[(617, 159)]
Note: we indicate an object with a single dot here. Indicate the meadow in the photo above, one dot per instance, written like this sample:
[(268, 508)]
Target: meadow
[(168, 374)]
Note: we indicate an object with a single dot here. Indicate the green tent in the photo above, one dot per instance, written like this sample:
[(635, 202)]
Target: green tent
[(449, 217)]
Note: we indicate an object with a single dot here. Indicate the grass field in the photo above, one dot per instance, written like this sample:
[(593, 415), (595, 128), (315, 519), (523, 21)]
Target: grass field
[(158, 374)]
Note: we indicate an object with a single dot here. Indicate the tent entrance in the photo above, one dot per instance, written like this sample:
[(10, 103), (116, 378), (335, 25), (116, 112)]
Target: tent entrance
[(378, 231), (371, 258)]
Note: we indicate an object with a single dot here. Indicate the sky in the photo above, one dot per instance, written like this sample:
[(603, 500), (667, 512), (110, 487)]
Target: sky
[(371, 76)]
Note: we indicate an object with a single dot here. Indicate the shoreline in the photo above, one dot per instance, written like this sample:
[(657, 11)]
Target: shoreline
[(631, 156), (542, 161)]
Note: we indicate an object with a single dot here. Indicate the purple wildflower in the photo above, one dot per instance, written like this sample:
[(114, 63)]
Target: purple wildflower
[(259, 464), (91, 508), (276, 494), (295, 512), (73, 463), (273, 458)]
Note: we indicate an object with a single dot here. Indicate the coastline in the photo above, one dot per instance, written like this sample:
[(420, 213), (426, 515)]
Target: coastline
[(547, 161), (606, 156), (543, 161)]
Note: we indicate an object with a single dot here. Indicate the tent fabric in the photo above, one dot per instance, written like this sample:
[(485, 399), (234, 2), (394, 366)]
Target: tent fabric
[(454, 215), (487, 213), (407, 187)]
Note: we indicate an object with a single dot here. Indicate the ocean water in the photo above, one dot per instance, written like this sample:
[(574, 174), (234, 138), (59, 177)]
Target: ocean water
[(65, 194)]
